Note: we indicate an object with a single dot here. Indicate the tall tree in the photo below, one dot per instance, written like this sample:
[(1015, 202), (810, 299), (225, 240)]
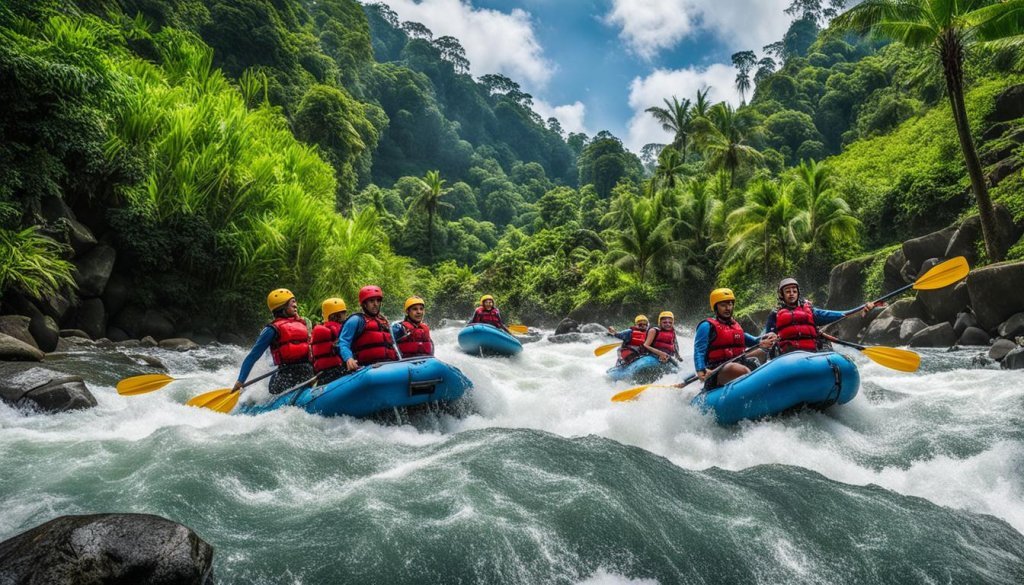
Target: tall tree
[(765, 67), (675, 118), (743, 61), (722, 137), (949, 29), (825, 217), (643, 239), (763, 231), (431, 190)]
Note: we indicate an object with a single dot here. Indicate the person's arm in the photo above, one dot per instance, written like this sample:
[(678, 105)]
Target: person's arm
[(501, 323), (349, 332), (398, 332), (770, 324), (262, 344), (623, 335), (825, 316), (649, 345), (472, 318), (700, 346)]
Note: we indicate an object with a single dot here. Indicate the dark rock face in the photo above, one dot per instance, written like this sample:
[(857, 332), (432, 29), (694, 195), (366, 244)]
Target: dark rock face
[(973, 336), (107, 548), (1009, 104), (909, 328), (995, 293), (885, 331), (156, 325), (1014, 360), (14, 350), (16, 326), (1000, 348), (30, 386), (116, 294), (943, 304), (963, 321), (91, 317), (940, 335), (46, 332), (1012, 327), (114, 334), (846, 283), (892, 279), (905, 309), (231, 339), (567, 326), (964, 240), (94, 269), (931, 245), (851, 327)]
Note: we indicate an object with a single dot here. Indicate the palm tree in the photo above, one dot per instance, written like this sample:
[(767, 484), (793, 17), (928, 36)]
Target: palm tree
[(948, 28), (643, 240), (763, 230), (431, 190), (670, 169), (744, 61), (722, 137), (674, 118), (825, 217)]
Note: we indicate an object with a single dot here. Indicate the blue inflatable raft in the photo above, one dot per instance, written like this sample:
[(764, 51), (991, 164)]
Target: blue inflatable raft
[(790, 381), (375, 388), (480, 339), (642, 370)]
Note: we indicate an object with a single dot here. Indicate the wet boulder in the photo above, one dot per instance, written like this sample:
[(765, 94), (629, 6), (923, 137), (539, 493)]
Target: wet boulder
[(995, 293), (909, 328), (940, 335), (1000, 348), (94, 270), (931, 245), (973, 336), (178, 344), (107, 548), (1009, 104), (853, 326), (46, 332), (236, 339), (156, 324), (1012, 327), (116, 335), (945, 303), (846, 283), (892, 279), (1013, 360), (12, 349), (569, 338), (963, 321), (905, 309), (39, 388), (16, 326), (116, 293), (965, 239), (75, 333), (593, 328), (91, 317), (567, 325), (885, 331)]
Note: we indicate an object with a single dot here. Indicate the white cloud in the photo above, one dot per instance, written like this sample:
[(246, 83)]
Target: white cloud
[(570, 116), (662, 84), (495, 42), (649, 26)]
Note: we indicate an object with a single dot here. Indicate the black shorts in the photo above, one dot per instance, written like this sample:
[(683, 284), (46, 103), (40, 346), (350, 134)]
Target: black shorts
[(712, 382), (289, 375)]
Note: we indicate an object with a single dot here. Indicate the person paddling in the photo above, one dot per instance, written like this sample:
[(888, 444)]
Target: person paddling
[(488, 314), (796, 321), (632, 340), (366, 337), (661, 340), (327, 361), (411, 333), (287, 338), (720, 338)]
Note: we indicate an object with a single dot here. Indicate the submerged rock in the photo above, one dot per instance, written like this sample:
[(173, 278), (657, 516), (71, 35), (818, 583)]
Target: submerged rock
[(1014, 360), (179, 344), (974, 336), (107, 548), (940, 335), (567, 325), (1000, 348), (12, 349), (30, 386)]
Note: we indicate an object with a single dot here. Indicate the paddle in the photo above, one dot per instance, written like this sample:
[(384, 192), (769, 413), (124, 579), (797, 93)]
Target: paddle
[(519, 329), (214, 398), (941, 275), (632, 393), (143, 384), (606, 348), (902, 360)]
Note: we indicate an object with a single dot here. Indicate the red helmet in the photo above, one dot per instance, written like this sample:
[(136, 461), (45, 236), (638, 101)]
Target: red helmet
[(370, 292)]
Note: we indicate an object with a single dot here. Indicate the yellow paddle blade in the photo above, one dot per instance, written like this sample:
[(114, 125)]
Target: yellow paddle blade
[(142, 384), (226, 404), (902, 360), (207, 399), (942, 275), (518, 328), (606, 348), (632, 393)]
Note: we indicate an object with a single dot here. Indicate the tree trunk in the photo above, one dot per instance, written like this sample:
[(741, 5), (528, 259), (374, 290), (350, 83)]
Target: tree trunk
[(952, 62)]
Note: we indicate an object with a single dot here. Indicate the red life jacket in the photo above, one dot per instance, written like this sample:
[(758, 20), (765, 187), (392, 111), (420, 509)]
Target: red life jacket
[(796, 329), (291, 346), (375, 343), (325, 346), (633, 347), (417, 340), (728, 341), (491, 317), (665, 340)]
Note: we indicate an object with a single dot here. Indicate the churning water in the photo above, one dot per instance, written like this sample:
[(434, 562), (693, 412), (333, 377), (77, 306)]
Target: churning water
[(919, 480)]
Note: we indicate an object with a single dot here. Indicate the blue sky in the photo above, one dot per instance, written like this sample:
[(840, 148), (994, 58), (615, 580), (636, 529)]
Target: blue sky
[(597, 64)]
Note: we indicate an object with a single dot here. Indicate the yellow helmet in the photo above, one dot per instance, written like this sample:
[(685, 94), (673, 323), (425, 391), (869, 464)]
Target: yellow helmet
[(411, 301), (639, 318), (331, 306), (486, 298), (721, 294), (666, 314), (278, 298)]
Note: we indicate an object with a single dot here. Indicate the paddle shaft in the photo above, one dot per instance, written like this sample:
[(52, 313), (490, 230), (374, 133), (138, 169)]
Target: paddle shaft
[(842, 342), (258, 378), (694, 377)]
